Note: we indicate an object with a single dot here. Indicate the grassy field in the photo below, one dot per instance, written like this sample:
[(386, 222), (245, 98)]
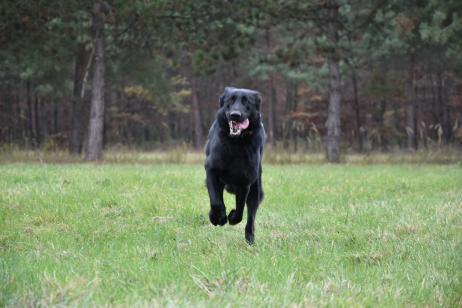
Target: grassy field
[(83, 234)]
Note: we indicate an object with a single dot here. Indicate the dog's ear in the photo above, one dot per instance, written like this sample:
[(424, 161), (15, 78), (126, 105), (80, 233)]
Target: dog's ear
[(222, 99), (257, 98), (223, 96)]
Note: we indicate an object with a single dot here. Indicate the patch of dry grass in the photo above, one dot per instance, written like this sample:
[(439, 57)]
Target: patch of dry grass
[(183, 155)]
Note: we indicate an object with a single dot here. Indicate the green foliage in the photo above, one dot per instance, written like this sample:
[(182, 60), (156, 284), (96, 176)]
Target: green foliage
[(151, 44), (384, 85), (149, 82), (40, 48)]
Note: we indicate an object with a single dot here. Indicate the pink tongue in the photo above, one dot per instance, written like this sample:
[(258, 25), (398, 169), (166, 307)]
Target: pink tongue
[(244, 124)]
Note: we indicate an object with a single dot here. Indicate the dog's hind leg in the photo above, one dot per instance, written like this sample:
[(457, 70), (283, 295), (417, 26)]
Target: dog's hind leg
[(253, 201), (235, 216), (260, 188), (215, 188)]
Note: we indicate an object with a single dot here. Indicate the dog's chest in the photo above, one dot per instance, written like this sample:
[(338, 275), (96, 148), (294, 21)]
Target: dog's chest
[(240, 167)]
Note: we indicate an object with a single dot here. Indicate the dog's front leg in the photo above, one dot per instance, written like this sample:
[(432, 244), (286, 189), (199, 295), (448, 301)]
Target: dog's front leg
[(215, 188), (235, 216)]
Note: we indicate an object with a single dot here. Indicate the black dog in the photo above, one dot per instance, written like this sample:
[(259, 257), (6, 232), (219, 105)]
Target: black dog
[(233, 158)]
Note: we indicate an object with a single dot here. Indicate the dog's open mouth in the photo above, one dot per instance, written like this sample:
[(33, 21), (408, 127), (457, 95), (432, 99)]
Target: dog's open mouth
[(236, 128)]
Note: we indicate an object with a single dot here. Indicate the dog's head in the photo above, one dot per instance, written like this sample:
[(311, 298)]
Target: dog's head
[(239, 110)]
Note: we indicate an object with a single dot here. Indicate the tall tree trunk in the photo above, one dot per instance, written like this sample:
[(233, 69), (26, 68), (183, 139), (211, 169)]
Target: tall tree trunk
[(37, 121), (435, 103), (411, 108), (197, 121), (383, 142), (272, 102), (29, 126), (294, 130), (335, 97), (8, 116), (95, 129), (43, 127), (357, 109), (18, 132), (423, 133), (272, 97), (288, 108), (82, 66), (55, 117), (445, 120), (333, 113)]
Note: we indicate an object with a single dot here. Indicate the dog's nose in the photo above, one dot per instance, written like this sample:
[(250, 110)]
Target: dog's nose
[(235, 115)]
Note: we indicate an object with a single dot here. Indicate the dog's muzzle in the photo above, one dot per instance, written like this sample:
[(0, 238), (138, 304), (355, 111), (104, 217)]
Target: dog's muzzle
[(236, 128)]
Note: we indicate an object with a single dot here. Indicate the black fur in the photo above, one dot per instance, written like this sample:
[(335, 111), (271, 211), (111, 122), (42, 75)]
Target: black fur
[(234, 162)]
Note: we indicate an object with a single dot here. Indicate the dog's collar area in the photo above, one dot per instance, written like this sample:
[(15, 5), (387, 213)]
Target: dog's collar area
[(247, 133)]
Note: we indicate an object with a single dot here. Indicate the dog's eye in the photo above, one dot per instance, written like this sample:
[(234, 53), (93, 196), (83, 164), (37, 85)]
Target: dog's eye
[(233, 98), (244, 99)]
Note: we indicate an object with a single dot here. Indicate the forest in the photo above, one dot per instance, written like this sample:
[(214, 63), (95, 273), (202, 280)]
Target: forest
[(336, 76)]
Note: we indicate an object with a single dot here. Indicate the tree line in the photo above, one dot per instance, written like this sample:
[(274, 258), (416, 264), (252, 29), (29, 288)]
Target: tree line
[(335, 75)]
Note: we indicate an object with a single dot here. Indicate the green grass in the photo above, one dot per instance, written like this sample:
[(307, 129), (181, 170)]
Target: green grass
[(89, 235)]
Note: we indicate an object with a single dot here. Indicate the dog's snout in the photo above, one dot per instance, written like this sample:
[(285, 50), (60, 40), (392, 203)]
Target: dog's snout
[(235, 115)]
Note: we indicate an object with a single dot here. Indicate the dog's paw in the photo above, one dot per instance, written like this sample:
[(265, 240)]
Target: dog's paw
[(234, 218), (218, 217), (249, 238)]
